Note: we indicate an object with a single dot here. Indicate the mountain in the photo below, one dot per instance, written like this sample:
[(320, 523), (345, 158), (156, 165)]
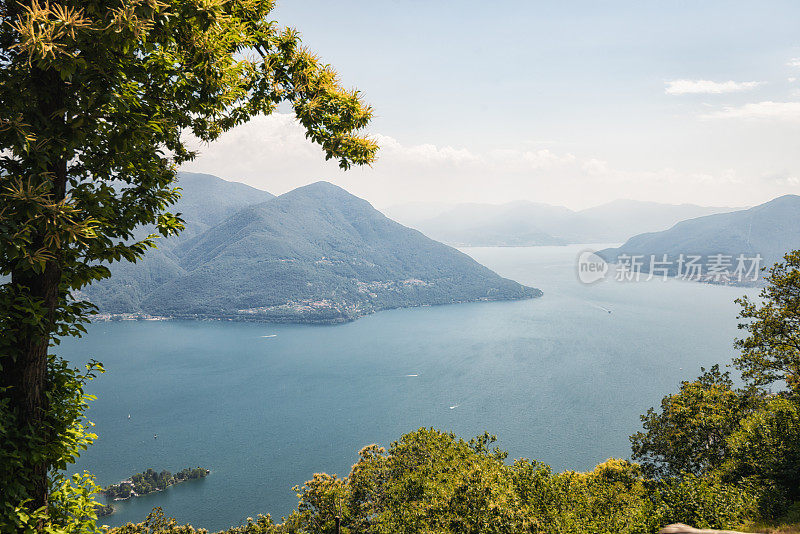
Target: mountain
[(524, 223), (769, 229), (205, 201), (512, 224), (472, 224), (621, 219), (413, 213), (314, 254)]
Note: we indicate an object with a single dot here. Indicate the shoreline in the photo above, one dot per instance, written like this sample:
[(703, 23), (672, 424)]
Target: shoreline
[(254, 318)]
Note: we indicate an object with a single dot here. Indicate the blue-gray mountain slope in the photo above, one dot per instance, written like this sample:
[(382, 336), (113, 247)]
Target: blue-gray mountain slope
[(205, 201), (317, 254), (770, 229)]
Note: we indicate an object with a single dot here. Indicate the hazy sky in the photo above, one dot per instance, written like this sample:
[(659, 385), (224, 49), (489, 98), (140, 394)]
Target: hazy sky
[(571, 103)]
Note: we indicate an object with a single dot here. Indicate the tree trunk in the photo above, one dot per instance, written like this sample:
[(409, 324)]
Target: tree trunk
[(27, 375), (27, 379)]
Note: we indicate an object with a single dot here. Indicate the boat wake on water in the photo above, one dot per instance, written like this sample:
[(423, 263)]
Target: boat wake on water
[(601, 308)]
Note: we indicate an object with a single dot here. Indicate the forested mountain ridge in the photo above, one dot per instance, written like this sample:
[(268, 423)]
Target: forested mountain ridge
[(205, 201), (768, 230), (314, 254)]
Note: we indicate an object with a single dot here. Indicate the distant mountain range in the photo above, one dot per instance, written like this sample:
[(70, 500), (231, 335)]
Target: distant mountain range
[(770, 230), (526, 223), (315, 254)]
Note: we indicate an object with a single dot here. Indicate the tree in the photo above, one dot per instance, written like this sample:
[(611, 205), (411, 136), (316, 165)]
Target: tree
[(430, 481), (766, 449), (97, 100), (771, 352), (689, 434), (702, 501), (427, 481)]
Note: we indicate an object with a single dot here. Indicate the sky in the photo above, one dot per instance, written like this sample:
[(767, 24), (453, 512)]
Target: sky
[(562, 102)]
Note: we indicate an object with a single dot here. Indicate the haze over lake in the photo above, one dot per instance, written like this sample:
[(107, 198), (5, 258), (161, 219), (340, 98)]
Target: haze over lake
[(558, 379)]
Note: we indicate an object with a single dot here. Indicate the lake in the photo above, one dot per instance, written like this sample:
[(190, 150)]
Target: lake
[(264, 406)]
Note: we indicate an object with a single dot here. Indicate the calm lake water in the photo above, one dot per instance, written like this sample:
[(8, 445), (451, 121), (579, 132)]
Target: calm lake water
[(557, 379)]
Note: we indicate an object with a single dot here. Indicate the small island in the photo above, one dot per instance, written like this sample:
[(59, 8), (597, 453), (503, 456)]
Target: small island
[(150, 481)]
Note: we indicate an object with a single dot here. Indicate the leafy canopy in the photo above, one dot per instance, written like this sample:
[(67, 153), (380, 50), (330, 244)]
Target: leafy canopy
[(689, 434), (766, 449), (431, 481), (72, 508), (111, 92), (748, 437), (771, 353), (97, 101)]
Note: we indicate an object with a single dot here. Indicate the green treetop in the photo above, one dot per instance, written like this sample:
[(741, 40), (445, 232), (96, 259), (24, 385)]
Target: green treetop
[(771, 353), (689, 434)]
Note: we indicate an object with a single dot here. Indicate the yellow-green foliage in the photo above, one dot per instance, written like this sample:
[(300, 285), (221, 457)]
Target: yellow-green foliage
[(434, 482), (156, 523), (689, 434), (611, 498), (766, 451)]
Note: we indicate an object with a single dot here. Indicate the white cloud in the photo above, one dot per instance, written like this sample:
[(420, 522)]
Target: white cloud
[(503, 159), (688, 87), (273, 154), (781, 179), (510, 160), (794, 62), (595, 167), (768, 110), (426, 153), (544, 158)]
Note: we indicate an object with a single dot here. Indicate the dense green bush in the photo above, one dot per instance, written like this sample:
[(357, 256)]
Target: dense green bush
[(610, 499), (766, 451), (156, 523), (702, 501), (689, 434), (63, 435), (721, 454), (434, 482)]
